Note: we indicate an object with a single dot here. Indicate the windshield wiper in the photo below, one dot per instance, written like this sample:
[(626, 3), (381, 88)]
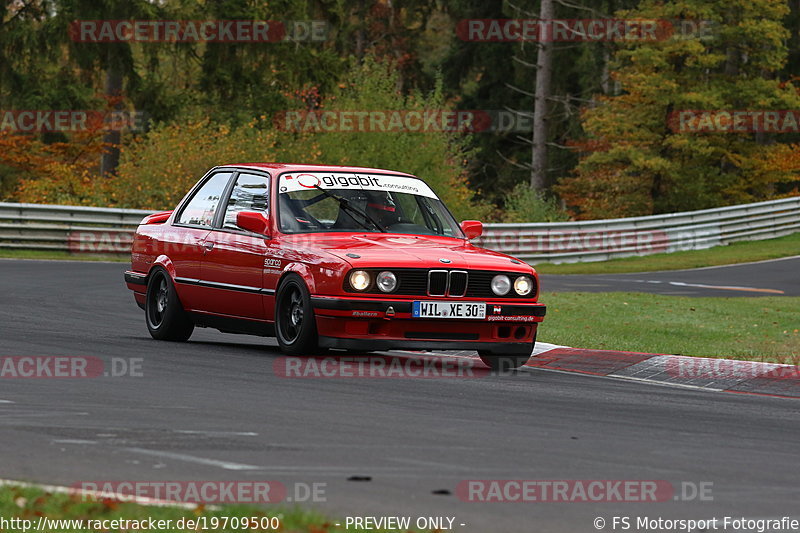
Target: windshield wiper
[(345, 203)]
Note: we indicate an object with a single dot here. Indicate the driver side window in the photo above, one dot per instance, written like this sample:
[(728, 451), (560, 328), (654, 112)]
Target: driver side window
[(250, 193)]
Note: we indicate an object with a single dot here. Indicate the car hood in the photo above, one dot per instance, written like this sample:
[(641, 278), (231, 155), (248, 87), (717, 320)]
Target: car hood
[(414, 251)]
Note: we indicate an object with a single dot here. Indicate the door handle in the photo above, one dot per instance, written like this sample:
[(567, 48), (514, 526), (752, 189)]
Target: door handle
[(208, 246)]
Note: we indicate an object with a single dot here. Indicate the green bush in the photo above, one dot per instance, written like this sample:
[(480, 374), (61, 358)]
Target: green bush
[(439, 158), (157, 169), (524, 204)]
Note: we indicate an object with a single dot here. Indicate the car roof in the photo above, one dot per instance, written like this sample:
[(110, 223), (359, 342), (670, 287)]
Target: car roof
[(293, 167)]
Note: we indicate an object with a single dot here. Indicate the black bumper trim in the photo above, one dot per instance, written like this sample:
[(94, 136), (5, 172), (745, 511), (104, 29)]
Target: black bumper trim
[(382, 345), (135, 278), (360, 305), (442, 335), (404, 306), (518, 310)]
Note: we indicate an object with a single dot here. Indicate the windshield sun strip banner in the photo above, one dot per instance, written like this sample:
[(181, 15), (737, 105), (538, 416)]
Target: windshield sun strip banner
[(303, 181)]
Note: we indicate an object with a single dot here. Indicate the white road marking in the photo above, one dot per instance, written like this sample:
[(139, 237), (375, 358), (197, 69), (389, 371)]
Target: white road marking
[(216, 433), (74, 441), (724, 287), (6, 401), (427, 464), (699, 285), (542, 347), (732, 264), (539, 348), (42, 415), (617, 377), (227, 465), (665, 383)]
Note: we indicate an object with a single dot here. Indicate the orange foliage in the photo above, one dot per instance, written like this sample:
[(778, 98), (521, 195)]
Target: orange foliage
[(49, 168)]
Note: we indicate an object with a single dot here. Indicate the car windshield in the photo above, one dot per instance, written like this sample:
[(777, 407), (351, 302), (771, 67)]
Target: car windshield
[(343, 202)]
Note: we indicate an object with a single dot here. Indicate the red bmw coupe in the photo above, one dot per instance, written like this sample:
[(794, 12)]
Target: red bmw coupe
[(330, 257)]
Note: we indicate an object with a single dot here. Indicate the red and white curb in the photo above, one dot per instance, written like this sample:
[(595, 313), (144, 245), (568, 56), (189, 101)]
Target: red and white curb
[(720, 375), (101, 496)]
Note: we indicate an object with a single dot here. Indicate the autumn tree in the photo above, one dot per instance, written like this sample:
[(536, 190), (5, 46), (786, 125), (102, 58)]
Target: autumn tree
[(720, 55), (503, 76)]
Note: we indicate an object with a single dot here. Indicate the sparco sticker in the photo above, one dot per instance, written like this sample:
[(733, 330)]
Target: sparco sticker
[(369, 182)]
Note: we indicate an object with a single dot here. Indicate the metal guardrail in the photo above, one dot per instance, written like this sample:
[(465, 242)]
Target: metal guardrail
[(75, 229), (598, 240), (104, 230)]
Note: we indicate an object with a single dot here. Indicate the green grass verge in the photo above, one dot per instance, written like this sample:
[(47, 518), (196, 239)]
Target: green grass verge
[(738, 252), (757, 329), (6, 253), (31, 503)]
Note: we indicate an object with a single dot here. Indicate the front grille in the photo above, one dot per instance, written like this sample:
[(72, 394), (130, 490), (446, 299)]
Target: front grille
[(437, 282), (458, 283), (467, 283)]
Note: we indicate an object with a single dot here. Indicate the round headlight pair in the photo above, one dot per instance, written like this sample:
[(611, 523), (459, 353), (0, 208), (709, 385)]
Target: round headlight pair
[(501, 285), (360, 280)]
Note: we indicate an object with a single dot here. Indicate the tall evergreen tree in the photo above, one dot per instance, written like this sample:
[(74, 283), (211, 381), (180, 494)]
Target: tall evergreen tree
[(636, 161)]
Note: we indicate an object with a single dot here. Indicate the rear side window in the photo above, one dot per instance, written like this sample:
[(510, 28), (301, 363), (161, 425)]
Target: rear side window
[(202, 207), (250, 193)]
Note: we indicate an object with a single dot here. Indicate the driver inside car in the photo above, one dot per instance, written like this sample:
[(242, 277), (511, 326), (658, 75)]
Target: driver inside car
[(381, 208)]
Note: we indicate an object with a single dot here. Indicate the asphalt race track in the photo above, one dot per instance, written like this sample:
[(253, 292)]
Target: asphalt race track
[(776, 277), (213, 409)]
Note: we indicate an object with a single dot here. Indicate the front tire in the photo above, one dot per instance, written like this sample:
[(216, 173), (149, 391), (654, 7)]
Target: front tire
[(504, 363), (164, 313), (295, 323)]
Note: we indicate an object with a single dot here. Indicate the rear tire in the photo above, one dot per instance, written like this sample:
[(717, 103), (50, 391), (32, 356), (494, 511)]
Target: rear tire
[(295, 323), (164, 313)]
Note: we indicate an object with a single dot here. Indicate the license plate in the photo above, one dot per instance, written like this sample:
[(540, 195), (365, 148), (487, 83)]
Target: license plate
[(470, 310)]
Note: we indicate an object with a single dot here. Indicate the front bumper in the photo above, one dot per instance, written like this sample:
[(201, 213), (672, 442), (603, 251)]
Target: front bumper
[(384, 324), (376, 308)]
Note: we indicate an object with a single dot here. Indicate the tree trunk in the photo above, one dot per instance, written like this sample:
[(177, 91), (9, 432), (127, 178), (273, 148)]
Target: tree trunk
[(110, 159), (544, 68), (361, 34)]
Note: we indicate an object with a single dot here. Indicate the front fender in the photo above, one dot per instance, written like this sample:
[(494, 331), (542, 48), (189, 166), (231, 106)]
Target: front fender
[(304, 272)]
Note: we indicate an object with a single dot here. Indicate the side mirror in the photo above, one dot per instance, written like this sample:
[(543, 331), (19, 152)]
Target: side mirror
[(472, 228), (253, 221)]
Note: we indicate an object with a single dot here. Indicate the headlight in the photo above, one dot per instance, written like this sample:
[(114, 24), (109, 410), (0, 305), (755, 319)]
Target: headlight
[(387, 281), (523, 285), (501, 284), (359, 280)]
